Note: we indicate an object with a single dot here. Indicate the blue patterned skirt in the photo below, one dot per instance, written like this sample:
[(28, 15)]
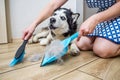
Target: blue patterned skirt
[(107, 29)]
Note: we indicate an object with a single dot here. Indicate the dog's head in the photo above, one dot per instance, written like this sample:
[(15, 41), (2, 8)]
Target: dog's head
[(63, 22)]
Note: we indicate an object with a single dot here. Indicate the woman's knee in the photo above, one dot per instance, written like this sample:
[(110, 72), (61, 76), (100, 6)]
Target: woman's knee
[(84, 44), (102, 52), (104, 48)]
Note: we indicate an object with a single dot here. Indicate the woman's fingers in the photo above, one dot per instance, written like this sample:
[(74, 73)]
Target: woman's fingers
[(27, 37), (79, 36), (83, 32), (24, 34)]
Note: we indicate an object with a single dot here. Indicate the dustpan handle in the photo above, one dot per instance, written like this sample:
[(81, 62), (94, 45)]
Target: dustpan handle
[(75, 35)]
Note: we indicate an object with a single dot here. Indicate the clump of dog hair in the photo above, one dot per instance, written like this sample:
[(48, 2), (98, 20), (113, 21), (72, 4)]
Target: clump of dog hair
[(35, 57), (54, 49)]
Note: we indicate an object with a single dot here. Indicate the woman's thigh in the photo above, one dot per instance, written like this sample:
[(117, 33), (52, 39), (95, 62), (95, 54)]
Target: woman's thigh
[(105, 48)]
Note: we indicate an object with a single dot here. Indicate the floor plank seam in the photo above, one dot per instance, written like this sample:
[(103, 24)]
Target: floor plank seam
[(19, 68), (89, 74), (76, 68), (7, 52), (89, 62)]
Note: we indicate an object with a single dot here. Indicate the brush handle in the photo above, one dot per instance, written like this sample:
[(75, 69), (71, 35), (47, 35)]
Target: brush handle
[(21, 49), (25, 42)]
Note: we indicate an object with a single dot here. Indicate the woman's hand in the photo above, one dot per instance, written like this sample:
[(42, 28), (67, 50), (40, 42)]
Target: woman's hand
[(88, 26), (27, 33)]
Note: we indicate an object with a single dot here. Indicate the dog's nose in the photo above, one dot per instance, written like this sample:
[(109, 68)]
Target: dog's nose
[(52, 20)]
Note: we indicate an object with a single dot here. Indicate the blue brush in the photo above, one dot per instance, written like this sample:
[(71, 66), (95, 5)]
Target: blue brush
[(65, 43), (19, 54)]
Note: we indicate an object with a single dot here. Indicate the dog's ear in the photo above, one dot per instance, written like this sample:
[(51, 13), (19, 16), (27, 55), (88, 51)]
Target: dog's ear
[(75, 17)]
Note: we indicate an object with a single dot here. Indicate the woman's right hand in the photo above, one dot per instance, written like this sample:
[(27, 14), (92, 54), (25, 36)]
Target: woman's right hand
[(88, 26), (27, 33)]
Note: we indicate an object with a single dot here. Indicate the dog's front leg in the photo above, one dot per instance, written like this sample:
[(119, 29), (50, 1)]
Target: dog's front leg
[(74, 50), (35, 38), (46, 41)]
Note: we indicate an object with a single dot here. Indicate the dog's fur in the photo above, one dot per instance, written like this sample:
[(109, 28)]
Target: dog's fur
[(62, 24)]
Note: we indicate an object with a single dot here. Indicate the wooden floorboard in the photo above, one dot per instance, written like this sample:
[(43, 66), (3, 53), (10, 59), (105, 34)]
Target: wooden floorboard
[(77, 75), (99, 67), (86, 66), (35, 72), (6, 58), (12, 47), (113, 71)]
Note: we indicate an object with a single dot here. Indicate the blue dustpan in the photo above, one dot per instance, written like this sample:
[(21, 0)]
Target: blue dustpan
[(19, 54), (65, 43)]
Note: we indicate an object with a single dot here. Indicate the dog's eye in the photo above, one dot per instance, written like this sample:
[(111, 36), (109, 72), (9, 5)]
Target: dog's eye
[(54, 14), (63, 18)]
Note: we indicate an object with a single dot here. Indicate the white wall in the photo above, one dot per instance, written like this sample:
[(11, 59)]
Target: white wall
[(88, 11), (80, 9), (23, 12)]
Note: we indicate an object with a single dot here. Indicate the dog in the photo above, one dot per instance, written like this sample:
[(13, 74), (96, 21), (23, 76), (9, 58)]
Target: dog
[(62, 23)]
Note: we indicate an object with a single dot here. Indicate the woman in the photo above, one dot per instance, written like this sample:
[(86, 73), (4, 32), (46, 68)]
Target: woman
[(100, 32)]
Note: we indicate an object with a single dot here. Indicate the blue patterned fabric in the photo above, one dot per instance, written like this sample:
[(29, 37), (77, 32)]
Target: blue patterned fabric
[(107, 29)]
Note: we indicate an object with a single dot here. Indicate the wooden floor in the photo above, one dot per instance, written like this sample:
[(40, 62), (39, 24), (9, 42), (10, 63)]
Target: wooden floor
[(86, 66)]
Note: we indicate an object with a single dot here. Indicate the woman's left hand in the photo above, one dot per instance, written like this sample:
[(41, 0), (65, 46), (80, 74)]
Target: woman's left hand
[(88, 26)]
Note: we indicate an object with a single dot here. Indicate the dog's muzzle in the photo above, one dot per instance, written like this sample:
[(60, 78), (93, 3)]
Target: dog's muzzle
[(52, 22), (52, 27)]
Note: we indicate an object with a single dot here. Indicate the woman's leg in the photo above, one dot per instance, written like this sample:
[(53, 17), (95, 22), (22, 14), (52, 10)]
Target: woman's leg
[(105, 48), (85, 43)]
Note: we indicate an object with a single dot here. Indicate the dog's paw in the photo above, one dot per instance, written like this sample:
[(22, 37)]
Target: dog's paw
[(30, 41), (44, 42), (33, 39), (74, 50)]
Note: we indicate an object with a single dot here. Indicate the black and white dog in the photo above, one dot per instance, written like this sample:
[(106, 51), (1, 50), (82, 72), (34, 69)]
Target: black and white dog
[(62, 24)]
